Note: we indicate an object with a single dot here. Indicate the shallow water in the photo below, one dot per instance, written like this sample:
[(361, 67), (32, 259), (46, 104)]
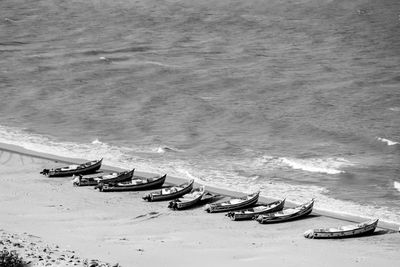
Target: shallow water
[(297, 98)]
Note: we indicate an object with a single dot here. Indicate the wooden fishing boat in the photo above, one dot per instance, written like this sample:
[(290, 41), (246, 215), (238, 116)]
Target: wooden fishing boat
[(109, 178), (137, 183), (85, 168), (251, 213), (170, 192), (352, 230), (191, 199), (233, 204), (287, 214)]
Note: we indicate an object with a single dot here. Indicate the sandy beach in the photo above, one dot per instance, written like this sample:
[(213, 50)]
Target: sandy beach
[(80, 223)]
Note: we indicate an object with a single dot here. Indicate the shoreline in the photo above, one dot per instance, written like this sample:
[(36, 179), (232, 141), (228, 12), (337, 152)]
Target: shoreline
[(176, 180), (122, 228)]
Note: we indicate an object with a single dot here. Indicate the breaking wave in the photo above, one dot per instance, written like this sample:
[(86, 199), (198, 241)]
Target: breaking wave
[(97, 142), (164, 149), (397, 185), (387, 141), (316, 165)]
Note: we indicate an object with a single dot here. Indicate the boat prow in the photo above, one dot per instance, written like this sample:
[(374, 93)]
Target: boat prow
[(137, 183), (108, 178), (250, 213), (189, 200), (170, 193), (75, 169), (287, 214), (234, 203)]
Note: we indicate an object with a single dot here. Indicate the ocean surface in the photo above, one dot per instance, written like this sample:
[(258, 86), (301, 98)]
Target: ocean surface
[(296, 98)]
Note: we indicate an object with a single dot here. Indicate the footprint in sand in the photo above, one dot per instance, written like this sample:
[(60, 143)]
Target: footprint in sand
[(21, 158), (5, 160), (147, 216)]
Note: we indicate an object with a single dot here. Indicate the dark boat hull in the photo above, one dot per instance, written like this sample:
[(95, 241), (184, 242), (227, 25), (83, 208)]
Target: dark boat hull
[(79, 171), (157, 183), (158, 196), (219, 207), (123, 177), (250, 214), (94, 181), (181, 203), (275, 217)]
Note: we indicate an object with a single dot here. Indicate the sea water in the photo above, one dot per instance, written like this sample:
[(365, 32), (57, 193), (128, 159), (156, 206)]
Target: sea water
[(299, 99)]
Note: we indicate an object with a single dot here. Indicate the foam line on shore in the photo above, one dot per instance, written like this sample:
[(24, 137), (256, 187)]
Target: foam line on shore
[(177, 180)]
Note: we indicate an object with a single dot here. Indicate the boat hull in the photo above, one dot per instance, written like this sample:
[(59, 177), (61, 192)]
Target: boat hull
[(94, 181), (134, 187), (158, 196), (362, 229), (218, 207), (181, 203), (122, 177), (275, 217), (246, 215), (79, 171)]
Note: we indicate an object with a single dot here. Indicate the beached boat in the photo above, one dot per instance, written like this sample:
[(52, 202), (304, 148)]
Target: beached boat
[(352, 230), (170, 192), (287, 214), (137, 183), (109, 178), (233, 204), (85, 168), (251, 213), (191, 199)]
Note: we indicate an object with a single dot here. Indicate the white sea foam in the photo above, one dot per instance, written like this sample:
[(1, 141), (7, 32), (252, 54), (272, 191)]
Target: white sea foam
[(160, 150), (9, 20), (164, 149), (316, 165), (97, 142), (329, 166), (387, 141), (396, 185), (188, 175)]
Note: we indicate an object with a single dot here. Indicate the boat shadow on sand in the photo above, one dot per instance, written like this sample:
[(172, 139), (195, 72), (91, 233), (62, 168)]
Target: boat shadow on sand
[(375, 233), (380, 232)]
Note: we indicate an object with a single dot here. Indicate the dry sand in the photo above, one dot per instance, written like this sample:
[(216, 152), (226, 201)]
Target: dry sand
[(42, 212)]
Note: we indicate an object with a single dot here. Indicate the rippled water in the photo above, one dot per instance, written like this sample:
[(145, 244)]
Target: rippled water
[(298, 98)]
